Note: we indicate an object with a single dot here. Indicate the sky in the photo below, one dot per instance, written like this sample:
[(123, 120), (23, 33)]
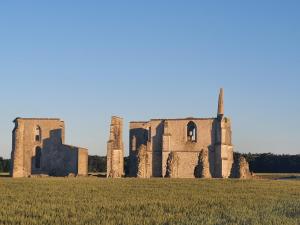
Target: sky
[(84, 61)]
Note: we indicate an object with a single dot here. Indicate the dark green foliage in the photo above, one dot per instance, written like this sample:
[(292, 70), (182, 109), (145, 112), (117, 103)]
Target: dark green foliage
[(97, 164), (270, 163), (4, 165), (126, 165)]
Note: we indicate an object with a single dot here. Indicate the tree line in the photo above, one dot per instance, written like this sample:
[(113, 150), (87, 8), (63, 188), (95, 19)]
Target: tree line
[(4, 165), (271, 163), (259, 163)]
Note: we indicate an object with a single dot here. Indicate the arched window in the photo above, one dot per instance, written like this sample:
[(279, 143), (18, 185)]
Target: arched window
[(192, 132), (38, 155), (38, 134)]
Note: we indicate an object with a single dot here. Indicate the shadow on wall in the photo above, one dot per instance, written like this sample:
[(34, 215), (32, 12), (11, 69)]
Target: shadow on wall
[(212, 154), (140, 138), (54, 158), (4, 175), (157, 151)]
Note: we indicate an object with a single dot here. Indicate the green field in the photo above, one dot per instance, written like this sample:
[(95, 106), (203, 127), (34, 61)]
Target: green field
[(155, 201)]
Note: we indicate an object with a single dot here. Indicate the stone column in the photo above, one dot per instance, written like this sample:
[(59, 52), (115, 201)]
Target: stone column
[(223, 149), (166, 148), (17, 157), (82, 162), (115, 149), (221, 104)]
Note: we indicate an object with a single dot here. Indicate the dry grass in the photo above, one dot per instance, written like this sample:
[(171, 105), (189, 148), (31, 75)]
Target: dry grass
[(156, 201)]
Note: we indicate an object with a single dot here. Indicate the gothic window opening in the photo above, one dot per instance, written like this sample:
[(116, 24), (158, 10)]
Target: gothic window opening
[(38, 134), (38, 155), (191, 132)]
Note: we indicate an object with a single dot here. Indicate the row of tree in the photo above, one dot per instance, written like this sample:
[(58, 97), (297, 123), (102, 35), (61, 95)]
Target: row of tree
[(97, 164), (270, 163), (4, 165), (259, 163)]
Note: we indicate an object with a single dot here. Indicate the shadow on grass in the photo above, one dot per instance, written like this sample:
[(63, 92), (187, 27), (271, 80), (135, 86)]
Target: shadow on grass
[(100, 175), (4, 175), (289, 178)]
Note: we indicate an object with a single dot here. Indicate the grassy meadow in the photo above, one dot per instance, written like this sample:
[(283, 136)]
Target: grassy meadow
[(155, 201)]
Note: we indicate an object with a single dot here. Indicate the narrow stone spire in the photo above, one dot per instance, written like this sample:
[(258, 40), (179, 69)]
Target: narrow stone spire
[(221, 104)]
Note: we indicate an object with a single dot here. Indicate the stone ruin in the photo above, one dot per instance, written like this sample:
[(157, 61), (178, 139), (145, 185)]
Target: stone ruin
[(202, 170), (172, 165), (115, 149), (143, 163), (177, 148), (39, 150), (240, 168)]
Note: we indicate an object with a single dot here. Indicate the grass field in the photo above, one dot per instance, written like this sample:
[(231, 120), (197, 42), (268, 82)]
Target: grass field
[(155, 201)]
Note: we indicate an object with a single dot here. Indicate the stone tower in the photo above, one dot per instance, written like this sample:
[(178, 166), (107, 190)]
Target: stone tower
[(115, 149)]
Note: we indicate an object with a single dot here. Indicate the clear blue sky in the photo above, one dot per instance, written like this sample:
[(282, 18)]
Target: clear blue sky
[(83, 61)]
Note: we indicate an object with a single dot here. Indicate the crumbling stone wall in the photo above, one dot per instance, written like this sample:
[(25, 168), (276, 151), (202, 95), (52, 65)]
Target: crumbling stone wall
[(115, 149), (143, 162), (240, 168), (203, 169), (172, 165), (83, 161), (184, 138), (39, 149)]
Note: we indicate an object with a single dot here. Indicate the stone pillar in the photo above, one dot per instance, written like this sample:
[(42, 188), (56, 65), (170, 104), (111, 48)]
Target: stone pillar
[(221, 104), (115, 149), (143, 162), (17, 156), (82, 162), (202, 169), (240, 168), (166, 148), (223, 149)]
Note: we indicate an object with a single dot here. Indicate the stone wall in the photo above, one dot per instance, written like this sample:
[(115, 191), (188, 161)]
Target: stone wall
[(203, 169), (38, 149), (163, 137), (240, 168), (210, 140), (223, 148), (184, 148), (83, 158), (138, 136)]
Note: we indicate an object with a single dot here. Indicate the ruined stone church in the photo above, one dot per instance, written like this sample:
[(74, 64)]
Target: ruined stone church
[(179, 148), (39, 149), (174, 148)]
